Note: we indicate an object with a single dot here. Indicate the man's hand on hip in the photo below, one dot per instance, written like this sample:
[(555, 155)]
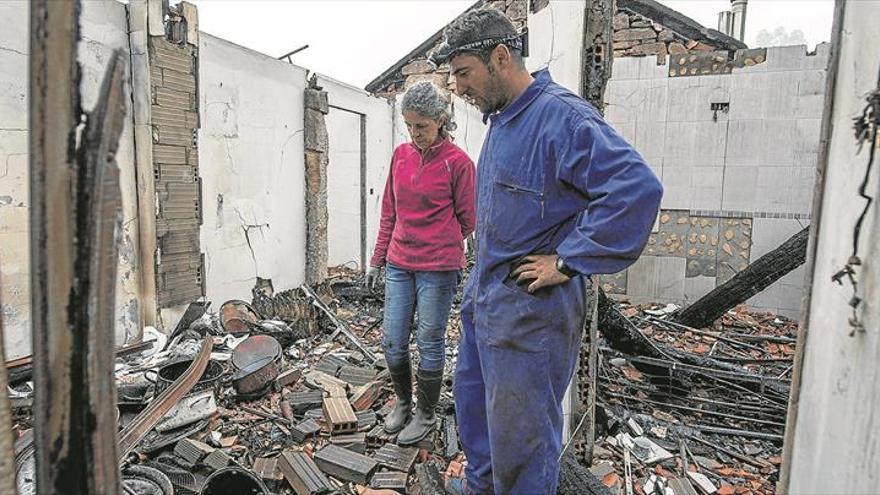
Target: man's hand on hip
[(541, 270)]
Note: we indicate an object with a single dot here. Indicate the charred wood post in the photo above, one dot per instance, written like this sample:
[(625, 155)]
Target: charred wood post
[(756, 277), (74, 216)]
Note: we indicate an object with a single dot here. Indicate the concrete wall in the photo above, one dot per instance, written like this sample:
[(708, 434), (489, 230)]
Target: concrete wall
[(835, 436), (253, 180), (737, 184), (103, 28)]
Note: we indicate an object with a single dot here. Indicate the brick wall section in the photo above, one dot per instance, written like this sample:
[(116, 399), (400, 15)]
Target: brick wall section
[(316, 149), (636, 35), (175, 120), (419, 69)]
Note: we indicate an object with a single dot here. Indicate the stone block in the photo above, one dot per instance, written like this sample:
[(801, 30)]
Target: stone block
[(666, 36), (439, 79), (677, 49), (734, 247), (702, 247), (420, 66), (644, 33), (315, 99), (315, 131), (647, 49), (620, 21)]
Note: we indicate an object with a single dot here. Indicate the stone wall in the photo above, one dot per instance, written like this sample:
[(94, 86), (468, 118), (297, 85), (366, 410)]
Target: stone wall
[(635, 35), (417, 68)]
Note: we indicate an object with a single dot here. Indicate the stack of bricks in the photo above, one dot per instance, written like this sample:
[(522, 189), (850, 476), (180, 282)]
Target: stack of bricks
[(636, 35), (419, 69), (175, 119)]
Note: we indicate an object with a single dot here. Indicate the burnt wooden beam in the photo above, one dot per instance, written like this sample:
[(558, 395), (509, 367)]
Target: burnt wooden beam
[(74, 217), (756, 277)]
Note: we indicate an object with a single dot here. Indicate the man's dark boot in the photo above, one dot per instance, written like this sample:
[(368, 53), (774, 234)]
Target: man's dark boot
[(424, 420), (401, 377)]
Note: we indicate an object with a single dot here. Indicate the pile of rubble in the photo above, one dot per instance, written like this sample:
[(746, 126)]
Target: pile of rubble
[(290, 399), (667, 428), (287, 394)]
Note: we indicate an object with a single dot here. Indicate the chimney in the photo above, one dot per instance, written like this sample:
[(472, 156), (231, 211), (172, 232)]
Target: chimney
[(738, 19), (724, 22)]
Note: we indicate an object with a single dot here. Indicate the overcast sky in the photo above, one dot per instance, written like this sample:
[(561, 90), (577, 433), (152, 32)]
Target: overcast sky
[(356, 40)]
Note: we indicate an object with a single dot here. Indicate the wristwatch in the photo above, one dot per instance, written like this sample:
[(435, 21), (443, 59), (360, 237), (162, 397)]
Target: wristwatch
[(564, 269)]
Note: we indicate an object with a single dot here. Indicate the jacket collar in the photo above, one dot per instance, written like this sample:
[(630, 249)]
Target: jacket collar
[(542, 79)]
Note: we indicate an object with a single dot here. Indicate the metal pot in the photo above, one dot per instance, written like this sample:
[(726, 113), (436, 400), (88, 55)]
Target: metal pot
[(233, 481), (255, 377), (255, 348), (169, 372), (237, 316)]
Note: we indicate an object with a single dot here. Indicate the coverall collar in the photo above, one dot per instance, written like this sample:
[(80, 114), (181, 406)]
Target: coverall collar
[(542, 79)]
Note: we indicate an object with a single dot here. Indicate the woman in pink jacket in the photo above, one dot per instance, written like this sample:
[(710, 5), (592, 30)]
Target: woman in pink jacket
[(427, 212)]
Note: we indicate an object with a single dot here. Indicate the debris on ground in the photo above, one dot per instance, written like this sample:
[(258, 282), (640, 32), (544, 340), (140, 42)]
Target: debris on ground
[(667, 428), (295, 392)]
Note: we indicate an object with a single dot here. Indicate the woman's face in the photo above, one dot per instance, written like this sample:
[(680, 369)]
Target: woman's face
[(422, 130)]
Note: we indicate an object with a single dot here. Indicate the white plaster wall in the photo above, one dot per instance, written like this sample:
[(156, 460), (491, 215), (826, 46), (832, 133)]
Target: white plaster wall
[(759, 158), (103, 28), (380, 142), (836, 447), (556, 35), (251, 163)]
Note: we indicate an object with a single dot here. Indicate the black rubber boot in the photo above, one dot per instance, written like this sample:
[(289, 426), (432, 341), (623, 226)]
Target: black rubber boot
[(401, 378), (424, 420)]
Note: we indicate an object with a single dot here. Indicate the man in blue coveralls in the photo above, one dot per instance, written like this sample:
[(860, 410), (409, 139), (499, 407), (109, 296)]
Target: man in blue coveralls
[(560, 196)]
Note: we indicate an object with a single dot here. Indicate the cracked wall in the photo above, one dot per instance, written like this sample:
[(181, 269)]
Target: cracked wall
[(253, 189), (104, 27)]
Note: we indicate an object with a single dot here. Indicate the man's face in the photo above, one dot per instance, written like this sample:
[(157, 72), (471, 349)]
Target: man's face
[(477, 82)]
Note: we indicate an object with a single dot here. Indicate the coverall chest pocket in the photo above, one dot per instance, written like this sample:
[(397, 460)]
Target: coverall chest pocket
[(517, 208)]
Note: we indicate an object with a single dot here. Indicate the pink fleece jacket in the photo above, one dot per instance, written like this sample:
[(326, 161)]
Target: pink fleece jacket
[(428, 209)]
